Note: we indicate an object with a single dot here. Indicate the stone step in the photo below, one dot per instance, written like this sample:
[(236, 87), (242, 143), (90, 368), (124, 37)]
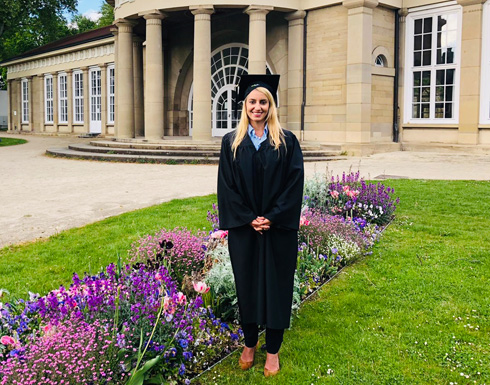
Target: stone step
[(87, 151), (175, 152), (130, 158)]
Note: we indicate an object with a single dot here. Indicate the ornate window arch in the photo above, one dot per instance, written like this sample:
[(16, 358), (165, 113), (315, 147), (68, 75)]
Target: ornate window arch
[(228, 63)]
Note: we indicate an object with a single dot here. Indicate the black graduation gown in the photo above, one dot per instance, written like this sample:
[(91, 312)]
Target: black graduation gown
[(268, 183)]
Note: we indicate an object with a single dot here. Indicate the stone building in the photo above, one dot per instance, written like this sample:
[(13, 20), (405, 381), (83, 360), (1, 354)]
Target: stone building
[(169, 68)]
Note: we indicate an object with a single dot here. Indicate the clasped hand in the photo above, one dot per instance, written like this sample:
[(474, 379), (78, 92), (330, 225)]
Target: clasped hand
[(261, 224)]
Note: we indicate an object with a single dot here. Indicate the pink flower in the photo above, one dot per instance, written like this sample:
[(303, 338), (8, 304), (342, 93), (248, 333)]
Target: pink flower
[(201, 287), (334, 194), (158, 276), (181, 299), (303, 221), (346, 188), (352, 193), (7, 340), (219, 234)]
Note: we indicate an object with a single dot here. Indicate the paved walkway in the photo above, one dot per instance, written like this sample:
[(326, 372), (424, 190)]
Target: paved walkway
[(40, 196)]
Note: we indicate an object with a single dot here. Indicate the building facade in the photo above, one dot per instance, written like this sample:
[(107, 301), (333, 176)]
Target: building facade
[(363, 73)]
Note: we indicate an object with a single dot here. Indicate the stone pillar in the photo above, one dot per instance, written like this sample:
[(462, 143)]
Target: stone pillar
[(86, 99), (41, 115), (55, 102), (9, 106), (18, 103), (125, 79), (103, 97), (30, 89), (202, 73), (154, 97), (402, 15), (115, 33), (69, 92), (469, 94), (295, 69), (257, 51), (139, 112), (359, 50)]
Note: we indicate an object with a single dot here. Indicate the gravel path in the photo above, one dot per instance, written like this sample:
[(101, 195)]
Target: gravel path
[(41, 196)]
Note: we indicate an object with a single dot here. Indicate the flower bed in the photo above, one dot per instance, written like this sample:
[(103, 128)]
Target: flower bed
[(171, 310)]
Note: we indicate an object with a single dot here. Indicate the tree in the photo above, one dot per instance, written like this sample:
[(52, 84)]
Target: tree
[(27, 24), (107, 17)]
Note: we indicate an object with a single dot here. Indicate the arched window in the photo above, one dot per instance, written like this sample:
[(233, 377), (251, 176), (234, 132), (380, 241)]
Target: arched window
[(228, 63), (380, 61)]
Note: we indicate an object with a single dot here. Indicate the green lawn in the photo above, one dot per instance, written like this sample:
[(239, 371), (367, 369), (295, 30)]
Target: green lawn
[(43, 265), (416, 311), (11, 141)]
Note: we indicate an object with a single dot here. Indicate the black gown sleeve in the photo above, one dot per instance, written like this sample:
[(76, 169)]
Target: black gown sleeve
[(287, 209), (232, 210)]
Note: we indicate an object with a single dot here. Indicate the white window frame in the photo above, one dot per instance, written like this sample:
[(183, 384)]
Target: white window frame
[(111, 93), (25, 100), (485, 67), (78, 99), (48, 99), (62, 97), (433, 12)]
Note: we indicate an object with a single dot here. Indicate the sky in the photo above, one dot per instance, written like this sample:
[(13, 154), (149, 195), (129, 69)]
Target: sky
[(90, 8)]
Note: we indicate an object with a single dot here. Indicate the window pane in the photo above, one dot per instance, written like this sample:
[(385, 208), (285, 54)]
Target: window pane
[(417, 60), (418, 26), (428, 41), (426, 61), (448, 113), (426, 78), (425, 110), (440, 77), (417, 43), (416, 95), (428, 24), (439, 94), (439, 111), (450, 76), (416, 111), (426, 94), (449, 94), (416, 79)]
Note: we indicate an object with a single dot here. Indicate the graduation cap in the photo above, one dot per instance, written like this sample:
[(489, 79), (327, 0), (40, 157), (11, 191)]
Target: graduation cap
[(248, 83)]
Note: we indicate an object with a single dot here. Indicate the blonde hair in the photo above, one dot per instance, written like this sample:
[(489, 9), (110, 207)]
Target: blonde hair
[(276, 134)]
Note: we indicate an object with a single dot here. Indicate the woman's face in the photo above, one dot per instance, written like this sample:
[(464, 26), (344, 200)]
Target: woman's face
[(257, 106)]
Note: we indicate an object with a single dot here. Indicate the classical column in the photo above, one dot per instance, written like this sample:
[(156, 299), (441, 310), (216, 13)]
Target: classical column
[(9, 105), (125, 79), (153, 107), (139, 112), (103, 98), (86, 99), (402, 15), (469, 94), (41, 115), (55, 102), (115, 33), (19, 104), (257, 38), (69, 94), (30, 89), (201, 129), (359, 50), (295, 69)]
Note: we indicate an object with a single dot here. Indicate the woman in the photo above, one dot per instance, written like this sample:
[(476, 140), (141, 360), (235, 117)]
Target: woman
[(260, 189)]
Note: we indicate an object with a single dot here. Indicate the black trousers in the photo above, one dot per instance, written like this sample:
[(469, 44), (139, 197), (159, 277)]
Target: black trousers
[(273, 337)]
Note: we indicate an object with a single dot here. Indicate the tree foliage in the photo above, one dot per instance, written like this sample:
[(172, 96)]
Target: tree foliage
[(28, 24)]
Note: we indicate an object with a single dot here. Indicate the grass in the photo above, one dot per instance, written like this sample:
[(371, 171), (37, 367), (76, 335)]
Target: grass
[(416, 311), (42, 265), (4, 142)]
